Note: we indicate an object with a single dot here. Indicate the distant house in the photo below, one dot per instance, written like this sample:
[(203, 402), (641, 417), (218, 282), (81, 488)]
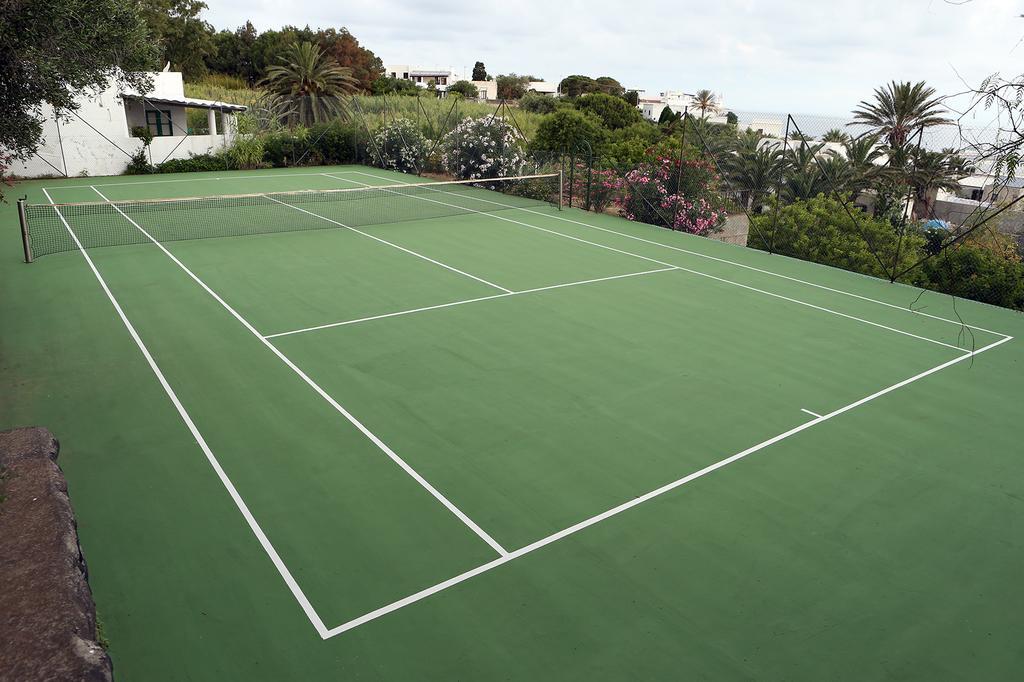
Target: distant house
[(97, 138), (679, 101), (423, 76), (548, 88)]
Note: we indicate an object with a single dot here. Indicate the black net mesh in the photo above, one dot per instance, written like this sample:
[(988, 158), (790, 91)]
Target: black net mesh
[(100, 224)]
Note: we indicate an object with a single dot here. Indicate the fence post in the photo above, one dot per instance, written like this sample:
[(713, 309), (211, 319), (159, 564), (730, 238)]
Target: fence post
[(26, 241), (561, 185)]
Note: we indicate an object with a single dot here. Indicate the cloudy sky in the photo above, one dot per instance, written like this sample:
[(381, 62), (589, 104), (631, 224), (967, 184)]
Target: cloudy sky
[(803, 56)]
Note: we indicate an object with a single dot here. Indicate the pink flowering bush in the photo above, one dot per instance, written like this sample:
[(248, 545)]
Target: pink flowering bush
[(680, 195)]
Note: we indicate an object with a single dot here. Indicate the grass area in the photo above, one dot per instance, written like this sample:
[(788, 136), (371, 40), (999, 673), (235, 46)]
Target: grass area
[(635, 451)]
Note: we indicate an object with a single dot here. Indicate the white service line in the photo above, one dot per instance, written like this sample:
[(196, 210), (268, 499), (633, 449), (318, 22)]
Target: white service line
[(813, 414), (400, 248), (678, 267), (705, 256), (322, 393), (275, 558), (463, 302), (462, 577)]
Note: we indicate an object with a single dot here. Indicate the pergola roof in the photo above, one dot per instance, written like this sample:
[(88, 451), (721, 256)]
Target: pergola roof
[(188, 102)]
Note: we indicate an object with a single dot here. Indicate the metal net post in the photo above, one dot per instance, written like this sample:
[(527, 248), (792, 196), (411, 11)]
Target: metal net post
[(26, 240)]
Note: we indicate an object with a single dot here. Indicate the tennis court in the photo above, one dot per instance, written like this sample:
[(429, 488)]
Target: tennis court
[(467, 411)]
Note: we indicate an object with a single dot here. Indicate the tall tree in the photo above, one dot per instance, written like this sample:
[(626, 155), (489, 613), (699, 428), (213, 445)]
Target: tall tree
[(53, 51), (900, 109), (233, 53), (705, 101), (345, 49), (313, 83), (183, 38), (479, 72)]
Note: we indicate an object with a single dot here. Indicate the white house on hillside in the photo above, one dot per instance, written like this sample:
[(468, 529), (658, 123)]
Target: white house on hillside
[(441, 78), (96, 139), (678, 101)]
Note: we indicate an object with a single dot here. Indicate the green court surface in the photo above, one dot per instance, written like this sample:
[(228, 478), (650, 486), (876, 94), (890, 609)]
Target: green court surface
[(513, 443)]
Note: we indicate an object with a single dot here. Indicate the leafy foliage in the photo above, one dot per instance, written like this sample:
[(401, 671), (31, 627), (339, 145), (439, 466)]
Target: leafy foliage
[(538, 104), (464, 88), (678, 194), (568, 131), (53, 50), (184, 39), (479, 72), (401, 145), (486, 147), (614, 112), (822, 230), (512, 86)]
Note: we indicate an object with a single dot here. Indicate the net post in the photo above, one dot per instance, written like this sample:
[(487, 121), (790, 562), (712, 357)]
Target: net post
[(26, 242), (561, 186)]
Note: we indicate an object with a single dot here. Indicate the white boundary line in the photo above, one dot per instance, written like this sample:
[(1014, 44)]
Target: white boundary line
[(275, 558), (699, 255), (462, 577), (671, 265), (323, 394), (256, 176), (384, 241), (463, 302), (813, 414), (505, 556)]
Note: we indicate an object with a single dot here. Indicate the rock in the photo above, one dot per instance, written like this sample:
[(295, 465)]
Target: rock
[(47, 615)]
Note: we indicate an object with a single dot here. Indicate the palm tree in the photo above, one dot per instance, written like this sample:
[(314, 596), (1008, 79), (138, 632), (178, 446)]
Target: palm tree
[(313, 83), (861, 154), (706, 101), (835, 135), (900, 109), (751, 168), (931, 171)]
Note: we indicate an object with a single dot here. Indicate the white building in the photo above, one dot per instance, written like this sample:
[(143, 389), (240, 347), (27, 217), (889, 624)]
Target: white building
[(678, 101), (443, 77), (97, 139)]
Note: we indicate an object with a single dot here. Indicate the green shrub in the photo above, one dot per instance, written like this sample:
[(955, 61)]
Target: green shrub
[(485, 147), (822, 230), (401, 146), (538, 104), (139, 164), (614, 112), (195, 163)]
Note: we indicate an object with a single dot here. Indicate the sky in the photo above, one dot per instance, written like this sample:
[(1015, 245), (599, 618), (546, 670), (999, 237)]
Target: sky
[(797, 56)]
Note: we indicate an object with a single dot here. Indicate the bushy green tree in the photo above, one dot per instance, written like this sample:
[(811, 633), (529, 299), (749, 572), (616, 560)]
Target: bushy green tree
[(512, 86), (614, 112), (184, 39), (574, 86), (537, 103), (567, 131), (385, 85), (822, 230), (464, 88), (970, 271), (479, 72)]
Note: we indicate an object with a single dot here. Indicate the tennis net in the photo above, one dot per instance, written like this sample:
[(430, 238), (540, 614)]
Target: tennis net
[(48, 228)]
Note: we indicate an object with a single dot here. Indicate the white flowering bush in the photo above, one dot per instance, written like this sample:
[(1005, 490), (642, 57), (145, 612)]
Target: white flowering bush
[(401, 145), (483, 148)]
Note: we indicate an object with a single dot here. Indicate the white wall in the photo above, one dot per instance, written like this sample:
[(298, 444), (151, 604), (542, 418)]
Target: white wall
[(102, 115)]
